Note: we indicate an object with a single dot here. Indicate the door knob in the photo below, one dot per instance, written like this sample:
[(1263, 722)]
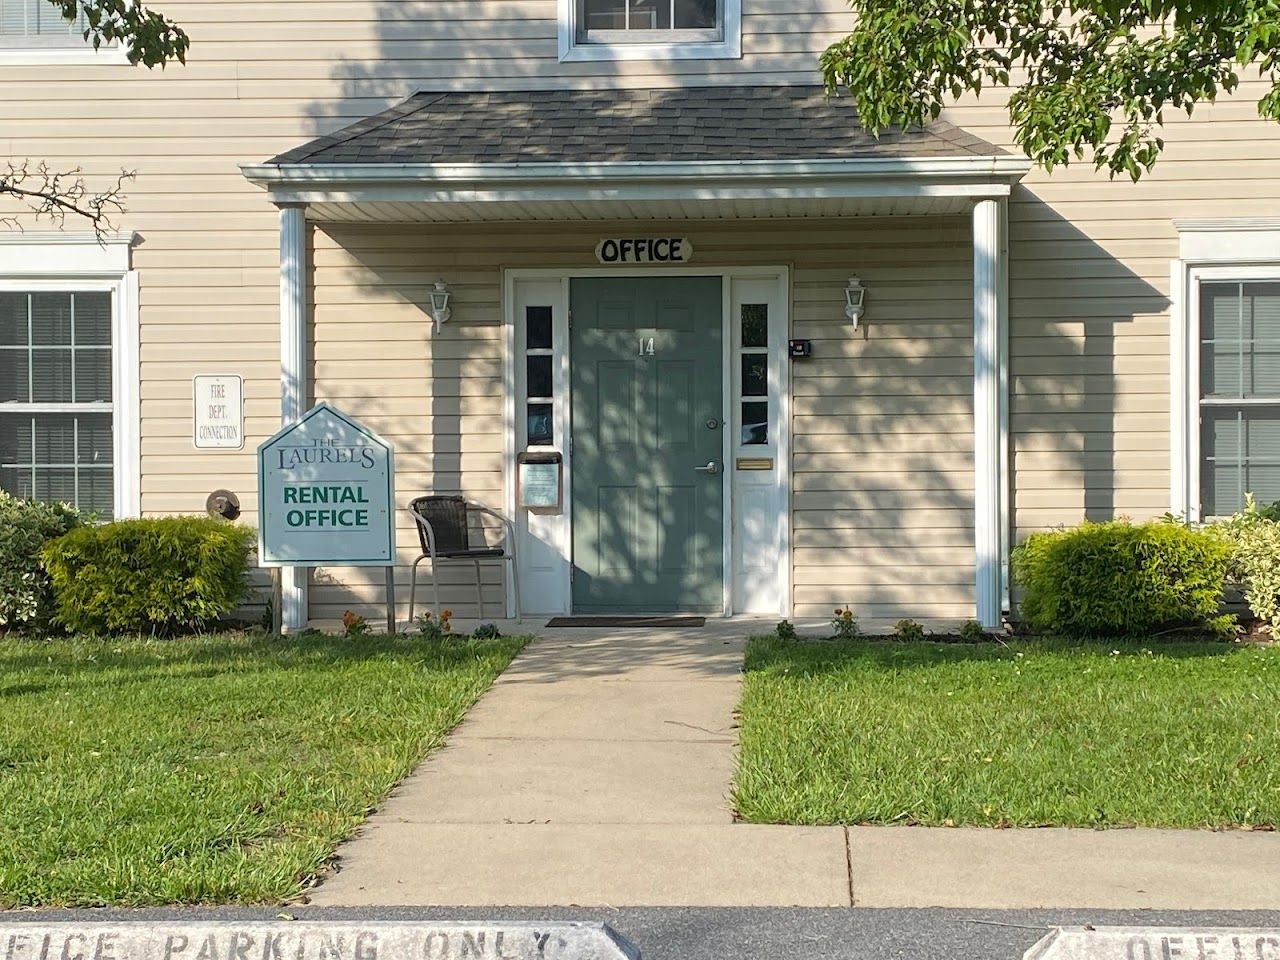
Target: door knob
[(712, 467)]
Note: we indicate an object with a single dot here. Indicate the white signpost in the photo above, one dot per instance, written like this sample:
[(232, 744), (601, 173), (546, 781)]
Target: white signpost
[(326, 496), (219, 412)]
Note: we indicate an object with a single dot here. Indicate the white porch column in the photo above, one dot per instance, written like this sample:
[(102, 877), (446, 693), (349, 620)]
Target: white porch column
[(989, 425), (293, 374)]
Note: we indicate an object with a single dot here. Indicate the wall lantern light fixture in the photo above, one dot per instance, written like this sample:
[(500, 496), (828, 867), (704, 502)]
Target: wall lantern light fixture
[(854, 294), (440, 311)]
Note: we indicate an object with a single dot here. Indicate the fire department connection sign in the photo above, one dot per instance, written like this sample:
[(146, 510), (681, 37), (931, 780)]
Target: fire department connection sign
[(326, 494)]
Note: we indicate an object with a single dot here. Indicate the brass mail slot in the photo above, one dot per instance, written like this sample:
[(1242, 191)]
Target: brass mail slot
[(754, 463)]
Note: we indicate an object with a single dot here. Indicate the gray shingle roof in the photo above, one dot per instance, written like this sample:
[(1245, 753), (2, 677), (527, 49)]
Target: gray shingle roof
[(593, 126)]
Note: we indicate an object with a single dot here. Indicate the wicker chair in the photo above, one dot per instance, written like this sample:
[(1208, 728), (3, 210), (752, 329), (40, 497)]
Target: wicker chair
[(447, 526)]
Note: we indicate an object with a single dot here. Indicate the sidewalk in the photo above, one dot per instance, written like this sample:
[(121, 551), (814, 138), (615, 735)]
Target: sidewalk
[(596, 772)]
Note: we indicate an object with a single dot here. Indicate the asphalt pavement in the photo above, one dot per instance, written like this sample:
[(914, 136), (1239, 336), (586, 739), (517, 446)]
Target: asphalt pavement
[(758, 933)]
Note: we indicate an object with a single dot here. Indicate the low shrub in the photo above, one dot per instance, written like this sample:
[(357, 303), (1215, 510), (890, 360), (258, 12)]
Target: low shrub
[(1255, 560), (972, 632), (908, 631), (431, 629), (25, 527), (844, 625), (1123, 580), (154, 575), (785, 630)]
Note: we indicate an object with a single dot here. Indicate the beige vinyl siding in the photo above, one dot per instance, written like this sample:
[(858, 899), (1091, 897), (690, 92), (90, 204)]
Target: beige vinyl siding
[(882, 446), (883, 479)]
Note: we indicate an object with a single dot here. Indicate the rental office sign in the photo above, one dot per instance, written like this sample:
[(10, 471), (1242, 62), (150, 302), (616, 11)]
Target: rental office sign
[(326, 494)]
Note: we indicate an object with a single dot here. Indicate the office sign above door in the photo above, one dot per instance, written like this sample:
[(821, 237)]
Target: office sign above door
[(644, 250)]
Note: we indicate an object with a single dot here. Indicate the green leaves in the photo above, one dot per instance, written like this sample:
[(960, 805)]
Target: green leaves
[(1098, 73), (1122, 580), (25, 527), (150, 576), (150, 38)]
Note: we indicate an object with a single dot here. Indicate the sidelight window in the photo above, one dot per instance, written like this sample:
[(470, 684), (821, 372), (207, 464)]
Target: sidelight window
[(539, 377)]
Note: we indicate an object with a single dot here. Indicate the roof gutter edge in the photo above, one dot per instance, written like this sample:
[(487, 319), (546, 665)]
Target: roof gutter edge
[(1003, 168)]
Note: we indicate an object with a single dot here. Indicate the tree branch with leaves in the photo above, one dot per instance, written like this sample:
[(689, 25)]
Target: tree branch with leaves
[(148, 38), (1099, 75)]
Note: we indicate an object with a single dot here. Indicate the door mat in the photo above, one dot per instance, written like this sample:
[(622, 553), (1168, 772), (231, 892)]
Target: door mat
[(627, 622)]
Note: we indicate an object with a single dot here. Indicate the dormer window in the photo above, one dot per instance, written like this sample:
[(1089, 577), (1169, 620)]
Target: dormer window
[(650, 29)]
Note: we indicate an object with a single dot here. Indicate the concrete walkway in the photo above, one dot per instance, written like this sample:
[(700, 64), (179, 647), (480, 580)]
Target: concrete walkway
[(596, 772)]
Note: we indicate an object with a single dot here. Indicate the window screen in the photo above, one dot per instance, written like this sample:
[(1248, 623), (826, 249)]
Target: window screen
[(56, 419), (649, 20), (1240, 394)]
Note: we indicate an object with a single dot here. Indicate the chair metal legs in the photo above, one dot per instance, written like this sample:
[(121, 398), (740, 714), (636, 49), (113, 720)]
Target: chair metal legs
[(515, 582), (435, 586), (413, 586)]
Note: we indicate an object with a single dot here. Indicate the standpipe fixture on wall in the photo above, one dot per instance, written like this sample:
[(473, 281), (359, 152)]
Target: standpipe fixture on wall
[(440, 311), (854, 294)]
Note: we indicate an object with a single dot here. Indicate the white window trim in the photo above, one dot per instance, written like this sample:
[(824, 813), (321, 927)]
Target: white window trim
[(1218, 249), (20, 56), (80, 262), (571, 50)]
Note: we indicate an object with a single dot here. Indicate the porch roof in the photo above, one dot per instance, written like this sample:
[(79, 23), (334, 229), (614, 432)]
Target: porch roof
[(700, 152)]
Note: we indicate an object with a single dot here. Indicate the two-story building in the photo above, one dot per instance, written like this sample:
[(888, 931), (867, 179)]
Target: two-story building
[(654, 230)]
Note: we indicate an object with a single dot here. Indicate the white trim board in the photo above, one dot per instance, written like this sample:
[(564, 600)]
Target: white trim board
[(555, 532), (48, 253), (537, 184), (80, 262)]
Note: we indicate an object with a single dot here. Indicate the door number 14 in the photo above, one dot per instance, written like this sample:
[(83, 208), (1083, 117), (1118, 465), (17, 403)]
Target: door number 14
[(646, 346)]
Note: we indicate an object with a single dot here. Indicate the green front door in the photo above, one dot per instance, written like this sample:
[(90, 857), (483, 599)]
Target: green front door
[(648, 501)]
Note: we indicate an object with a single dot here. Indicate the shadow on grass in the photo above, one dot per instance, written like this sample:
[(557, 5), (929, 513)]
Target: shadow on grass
[(809, 657), (121, 662)]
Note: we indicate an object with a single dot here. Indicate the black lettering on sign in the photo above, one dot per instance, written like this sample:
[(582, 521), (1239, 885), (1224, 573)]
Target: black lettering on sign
[(435, 946), (644, 250)]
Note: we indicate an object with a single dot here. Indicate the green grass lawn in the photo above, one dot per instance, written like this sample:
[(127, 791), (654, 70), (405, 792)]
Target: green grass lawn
[(1032, 734), (216, 769)]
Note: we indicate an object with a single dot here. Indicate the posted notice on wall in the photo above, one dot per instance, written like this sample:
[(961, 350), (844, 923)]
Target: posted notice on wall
[(219, 412)]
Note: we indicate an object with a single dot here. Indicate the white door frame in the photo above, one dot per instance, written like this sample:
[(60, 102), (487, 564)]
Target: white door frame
[(513, 354)]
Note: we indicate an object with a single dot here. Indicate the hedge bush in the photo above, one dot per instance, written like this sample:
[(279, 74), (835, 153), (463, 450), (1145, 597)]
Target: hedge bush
[(154, 575), (1123, 580), (1255, 559), (25, 527)]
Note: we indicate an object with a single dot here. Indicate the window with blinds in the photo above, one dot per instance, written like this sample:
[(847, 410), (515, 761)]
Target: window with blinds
[(632, 21), (56, 412), (1239, 394), (38, 23)]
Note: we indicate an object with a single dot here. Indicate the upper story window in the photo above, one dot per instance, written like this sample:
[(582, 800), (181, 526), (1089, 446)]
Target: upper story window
[(35, 29), (650, 29), (638, 21)]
